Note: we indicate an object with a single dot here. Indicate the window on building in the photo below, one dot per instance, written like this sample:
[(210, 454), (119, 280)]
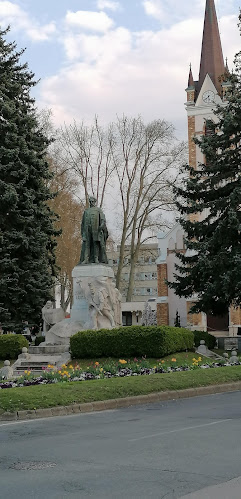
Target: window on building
[(127, 318)]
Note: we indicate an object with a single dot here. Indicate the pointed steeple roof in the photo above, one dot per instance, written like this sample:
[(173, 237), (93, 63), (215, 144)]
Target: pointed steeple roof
[(190, 78), (212, 61), (226, 66)]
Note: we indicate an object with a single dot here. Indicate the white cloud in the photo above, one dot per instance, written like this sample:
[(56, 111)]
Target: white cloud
[(154, 8), (41, 33), (11, 13), (173, 11), (95, 21), (134, 73), (108, 4), (101, 49)]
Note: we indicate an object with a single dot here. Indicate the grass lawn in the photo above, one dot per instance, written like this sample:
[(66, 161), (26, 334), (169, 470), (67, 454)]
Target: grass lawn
[(36, 397)]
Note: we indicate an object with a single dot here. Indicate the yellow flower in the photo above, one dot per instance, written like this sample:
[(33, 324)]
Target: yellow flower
[(163, 361), (25, 372), (173, 359), (59, 372), (97, 363), (199, 359), (71, 367), (154, 367), (194, 360), (64, 366), (122, 361), (101, 369)]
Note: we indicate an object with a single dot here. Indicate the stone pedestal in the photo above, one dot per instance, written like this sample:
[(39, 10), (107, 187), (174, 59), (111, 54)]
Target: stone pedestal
[(83, 276), (96, 304)]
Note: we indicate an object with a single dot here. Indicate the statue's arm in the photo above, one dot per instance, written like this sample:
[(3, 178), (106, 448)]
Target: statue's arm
[(103, 225)]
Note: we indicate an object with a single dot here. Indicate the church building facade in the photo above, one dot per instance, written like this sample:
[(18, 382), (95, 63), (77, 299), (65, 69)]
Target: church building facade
[(202, 97)]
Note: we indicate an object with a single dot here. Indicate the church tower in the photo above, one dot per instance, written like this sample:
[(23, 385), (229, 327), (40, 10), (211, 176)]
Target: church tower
[(203, 95)]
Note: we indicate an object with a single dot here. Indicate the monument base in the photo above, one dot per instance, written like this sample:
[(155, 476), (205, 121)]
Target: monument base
[(96, 304)]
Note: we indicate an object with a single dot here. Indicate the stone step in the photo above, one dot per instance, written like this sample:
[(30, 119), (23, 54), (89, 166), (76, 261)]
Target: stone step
[(19, 372), (48, 349), (36, 363), (32, 365)]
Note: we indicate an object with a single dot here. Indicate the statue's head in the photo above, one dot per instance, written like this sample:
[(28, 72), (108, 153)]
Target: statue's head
[(92, 200)]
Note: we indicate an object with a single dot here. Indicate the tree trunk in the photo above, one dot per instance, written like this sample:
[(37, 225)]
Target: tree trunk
[(121, 259)]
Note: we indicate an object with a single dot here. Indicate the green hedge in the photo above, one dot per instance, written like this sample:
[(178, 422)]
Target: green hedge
[(132, 341), (11, 345), (209, 339)]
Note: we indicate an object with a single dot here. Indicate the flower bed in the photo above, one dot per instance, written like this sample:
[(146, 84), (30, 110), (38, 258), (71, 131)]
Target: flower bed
[(120, 369)]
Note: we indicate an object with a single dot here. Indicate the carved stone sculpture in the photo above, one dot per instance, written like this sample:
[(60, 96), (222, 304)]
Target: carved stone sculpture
[(100, 307), (7, 371), (51, 316)]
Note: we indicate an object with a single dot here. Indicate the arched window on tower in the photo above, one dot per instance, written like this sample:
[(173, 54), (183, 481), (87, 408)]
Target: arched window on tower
[(209, 128)]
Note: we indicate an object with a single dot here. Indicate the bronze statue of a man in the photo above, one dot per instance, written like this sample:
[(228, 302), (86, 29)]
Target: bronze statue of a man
[(94, 234)]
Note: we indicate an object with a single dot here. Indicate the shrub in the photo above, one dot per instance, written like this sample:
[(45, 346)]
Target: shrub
[(209, 339), (132, 341), (38, 340), (11, 345)]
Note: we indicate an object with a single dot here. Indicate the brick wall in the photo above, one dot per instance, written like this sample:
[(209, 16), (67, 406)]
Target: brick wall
[(193, 319), (162, 287), (191, 145), (235, 315), (162, 313)]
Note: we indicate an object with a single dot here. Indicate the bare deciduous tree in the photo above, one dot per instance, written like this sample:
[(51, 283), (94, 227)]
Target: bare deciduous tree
[(139, 161), (146, 160), (86, 150)]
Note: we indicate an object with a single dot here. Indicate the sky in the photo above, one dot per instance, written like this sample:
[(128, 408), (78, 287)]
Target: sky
[(109, 57)]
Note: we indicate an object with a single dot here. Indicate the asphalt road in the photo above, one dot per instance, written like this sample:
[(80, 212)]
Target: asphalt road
[(163, 450)]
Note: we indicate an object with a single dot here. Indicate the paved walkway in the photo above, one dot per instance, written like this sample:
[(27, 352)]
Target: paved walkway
[(227, 490)]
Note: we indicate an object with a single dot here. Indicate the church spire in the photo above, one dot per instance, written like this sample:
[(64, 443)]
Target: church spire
[(190, 78), (212, 56)]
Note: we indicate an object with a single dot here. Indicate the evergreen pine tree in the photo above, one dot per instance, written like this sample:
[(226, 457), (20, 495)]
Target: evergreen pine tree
[(27, 235), (211, 268)]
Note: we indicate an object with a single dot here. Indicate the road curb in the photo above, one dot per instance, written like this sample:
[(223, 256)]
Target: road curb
[(103, 405)]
